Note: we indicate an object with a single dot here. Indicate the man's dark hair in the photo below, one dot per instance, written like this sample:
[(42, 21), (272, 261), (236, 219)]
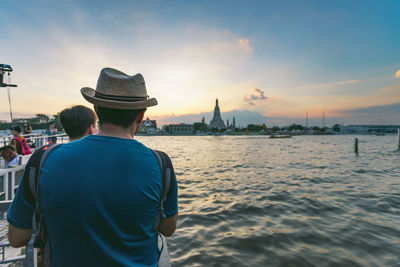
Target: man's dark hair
[(120, 117), (7, 149), (77, 120), (17, 129)]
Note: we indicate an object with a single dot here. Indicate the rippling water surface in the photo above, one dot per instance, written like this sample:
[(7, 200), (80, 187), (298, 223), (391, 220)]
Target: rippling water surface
[(304, 201)]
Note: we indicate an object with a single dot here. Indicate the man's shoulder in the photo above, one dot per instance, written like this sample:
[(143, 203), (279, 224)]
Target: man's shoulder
[(67, 150), (92, 147)]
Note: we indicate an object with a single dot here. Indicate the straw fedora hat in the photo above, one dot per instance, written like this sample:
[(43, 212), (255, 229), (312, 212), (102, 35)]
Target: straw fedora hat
[(117, 90)]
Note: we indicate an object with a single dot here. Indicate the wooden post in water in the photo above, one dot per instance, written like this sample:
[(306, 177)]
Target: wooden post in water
[(398, 139), (356, 146)]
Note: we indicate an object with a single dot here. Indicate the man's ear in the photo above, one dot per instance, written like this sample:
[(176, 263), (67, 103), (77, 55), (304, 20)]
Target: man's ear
[(140, 116), (91, 129)]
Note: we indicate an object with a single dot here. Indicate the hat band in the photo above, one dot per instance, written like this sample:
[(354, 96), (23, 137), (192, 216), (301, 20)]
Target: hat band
[(121, 98)]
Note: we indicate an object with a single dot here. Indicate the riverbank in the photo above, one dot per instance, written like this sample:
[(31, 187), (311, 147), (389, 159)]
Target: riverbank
[(259, 134)]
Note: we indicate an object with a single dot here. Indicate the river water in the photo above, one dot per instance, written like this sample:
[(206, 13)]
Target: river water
[(304, 201)]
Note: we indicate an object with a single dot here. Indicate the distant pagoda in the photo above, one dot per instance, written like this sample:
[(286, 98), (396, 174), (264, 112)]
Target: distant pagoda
[(217, 121)]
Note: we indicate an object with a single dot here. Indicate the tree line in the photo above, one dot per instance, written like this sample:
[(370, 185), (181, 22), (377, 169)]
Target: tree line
[(201, 127), (39, 121)]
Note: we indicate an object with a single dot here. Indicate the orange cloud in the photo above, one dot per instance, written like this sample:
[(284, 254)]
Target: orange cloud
[(318, 85), (244, 44), (251, 98), (397, 74), (233, 45)]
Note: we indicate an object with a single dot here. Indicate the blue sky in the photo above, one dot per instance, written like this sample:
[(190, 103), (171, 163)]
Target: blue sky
[(278, 59)]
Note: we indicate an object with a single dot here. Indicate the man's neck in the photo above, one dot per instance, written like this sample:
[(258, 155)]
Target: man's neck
[(112, 130), (75, 138)]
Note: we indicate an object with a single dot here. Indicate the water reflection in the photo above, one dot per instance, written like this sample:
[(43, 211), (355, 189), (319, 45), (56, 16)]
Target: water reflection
[(307, 200)]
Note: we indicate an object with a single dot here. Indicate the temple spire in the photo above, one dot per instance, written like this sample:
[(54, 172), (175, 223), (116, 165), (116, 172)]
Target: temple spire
[(217, 121)]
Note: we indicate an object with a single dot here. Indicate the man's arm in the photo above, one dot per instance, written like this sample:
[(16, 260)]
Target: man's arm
[(19, 217), (18, 237), (168, 225)]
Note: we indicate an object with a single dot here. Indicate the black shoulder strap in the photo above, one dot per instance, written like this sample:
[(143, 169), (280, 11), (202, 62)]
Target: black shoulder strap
[(31, 173), (167, 172), (170, 173), (34, 179), (31, 170)]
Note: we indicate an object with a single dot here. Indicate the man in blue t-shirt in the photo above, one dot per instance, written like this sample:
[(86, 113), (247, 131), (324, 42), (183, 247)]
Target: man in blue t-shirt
[(100, 195)]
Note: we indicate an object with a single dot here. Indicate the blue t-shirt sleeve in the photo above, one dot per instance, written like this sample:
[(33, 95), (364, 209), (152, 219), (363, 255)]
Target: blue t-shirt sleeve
[(20, 212), (171, 205)]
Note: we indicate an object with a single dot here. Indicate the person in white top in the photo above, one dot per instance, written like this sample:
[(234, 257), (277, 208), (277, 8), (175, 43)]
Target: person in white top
[(10, 156)]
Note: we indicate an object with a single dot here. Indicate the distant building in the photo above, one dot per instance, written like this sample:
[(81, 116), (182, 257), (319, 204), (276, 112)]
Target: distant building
[(369, 129), (200, 127), (231, 127), (181, 128), (217, 121), (149, 126)]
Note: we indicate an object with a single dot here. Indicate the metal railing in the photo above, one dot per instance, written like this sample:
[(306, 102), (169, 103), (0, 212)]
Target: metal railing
[(34, 141), (37, 140), (9, 180), (3, 259), (5, 140)]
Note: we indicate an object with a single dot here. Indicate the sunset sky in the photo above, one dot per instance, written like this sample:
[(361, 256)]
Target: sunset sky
[(266, 61)]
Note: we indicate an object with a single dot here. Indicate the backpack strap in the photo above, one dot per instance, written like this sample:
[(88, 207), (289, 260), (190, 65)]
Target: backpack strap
[(31, 174), (39, 235), (35, 171), (167, 174), (39, 238), (167, 171)]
